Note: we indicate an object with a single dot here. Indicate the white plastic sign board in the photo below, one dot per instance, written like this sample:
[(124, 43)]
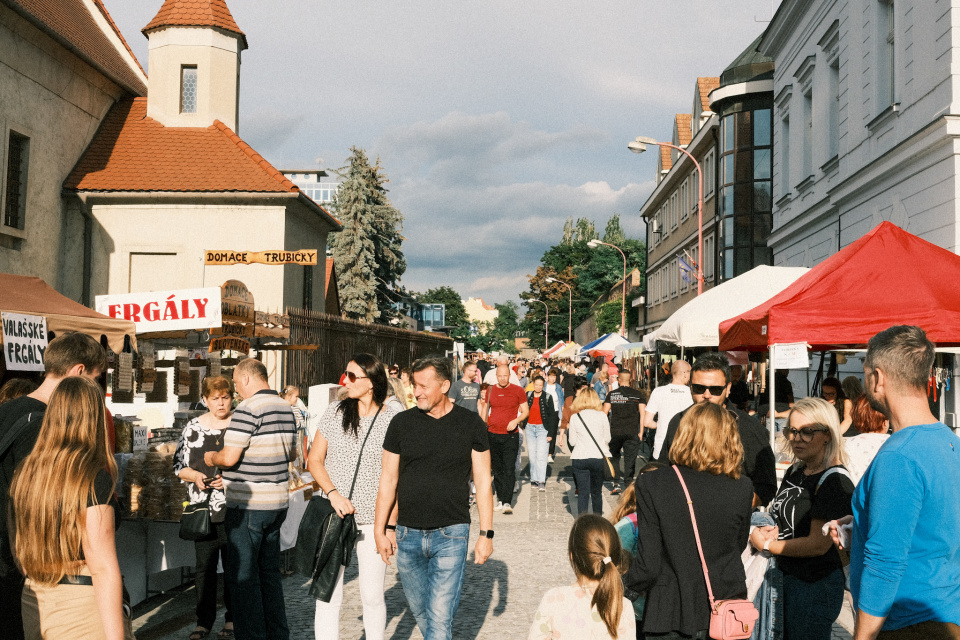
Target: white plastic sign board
[(141, 434), (791, 356), (24, 341), (165, 310)]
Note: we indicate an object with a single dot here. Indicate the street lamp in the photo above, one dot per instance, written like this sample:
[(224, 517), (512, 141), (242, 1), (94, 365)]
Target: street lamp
[(639, 146), (570, 323), (593, 244), (546, 326)]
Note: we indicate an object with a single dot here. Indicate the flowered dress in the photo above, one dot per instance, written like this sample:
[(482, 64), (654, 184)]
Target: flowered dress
[(566, 612), (195, 441)]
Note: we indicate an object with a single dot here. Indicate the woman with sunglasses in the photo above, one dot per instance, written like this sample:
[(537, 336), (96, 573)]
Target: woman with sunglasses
[(334, 458), (815, 490)]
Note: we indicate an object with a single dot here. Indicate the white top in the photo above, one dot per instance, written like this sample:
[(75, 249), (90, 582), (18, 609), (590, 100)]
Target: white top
[(667, 401), (566, 613), (599, 425), (861, 450)]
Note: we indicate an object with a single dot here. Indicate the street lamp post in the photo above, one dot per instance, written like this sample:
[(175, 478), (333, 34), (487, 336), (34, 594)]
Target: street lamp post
[(593, 244), (570, 323), (546, 326), (639, 146)]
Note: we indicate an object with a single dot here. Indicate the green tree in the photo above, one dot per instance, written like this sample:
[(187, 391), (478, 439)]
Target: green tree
[(608, 317), (613, 233), (367, 252), (505, 327)]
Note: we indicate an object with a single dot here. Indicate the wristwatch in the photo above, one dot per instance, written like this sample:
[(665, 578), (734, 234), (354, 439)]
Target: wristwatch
[(766, 549), (486, 533)]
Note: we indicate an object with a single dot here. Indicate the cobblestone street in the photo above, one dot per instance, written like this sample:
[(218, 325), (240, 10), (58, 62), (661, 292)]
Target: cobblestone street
[(499, 597)]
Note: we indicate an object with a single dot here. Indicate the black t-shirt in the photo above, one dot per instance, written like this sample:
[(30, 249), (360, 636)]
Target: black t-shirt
[(10, 414), (569, 384), (799, 502), (435, 465), (625, 410)]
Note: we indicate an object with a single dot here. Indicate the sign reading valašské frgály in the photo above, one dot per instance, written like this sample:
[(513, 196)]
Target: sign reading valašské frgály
[(165, 310), (24, 341)]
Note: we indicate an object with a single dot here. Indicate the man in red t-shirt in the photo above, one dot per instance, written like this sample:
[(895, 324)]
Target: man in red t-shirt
[(506, 409)]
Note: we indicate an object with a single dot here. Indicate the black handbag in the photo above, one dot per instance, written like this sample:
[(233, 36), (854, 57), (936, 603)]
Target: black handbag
[(609, 475), (195, 521), (310, 554)]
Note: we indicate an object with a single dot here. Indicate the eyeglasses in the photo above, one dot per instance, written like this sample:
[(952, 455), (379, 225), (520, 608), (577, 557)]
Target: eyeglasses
[(715, 389), (805, 434), (352, 377)]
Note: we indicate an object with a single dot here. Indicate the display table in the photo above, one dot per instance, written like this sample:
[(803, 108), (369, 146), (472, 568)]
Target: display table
[(147, 547)]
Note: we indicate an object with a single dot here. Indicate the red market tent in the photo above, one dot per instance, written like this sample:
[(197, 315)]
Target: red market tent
[(887, 277)]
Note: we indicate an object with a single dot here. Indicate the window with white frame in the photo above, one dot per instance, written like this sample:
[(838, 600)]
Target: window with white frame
[(784, 143), (708, 258), (188, 89), (886, 54), (708, 177), (684, 211), (673, 211), (833, 110), (807, 134), (673, 279)]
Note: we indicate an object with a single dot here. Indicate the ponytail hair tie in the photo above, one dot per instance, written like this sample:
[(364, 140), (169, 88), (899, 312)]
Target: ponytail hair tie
[(607, 560)]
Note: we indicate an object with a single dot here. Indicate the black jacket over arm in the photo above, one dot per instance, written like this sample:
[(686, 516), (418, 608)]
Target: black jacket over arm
[(759, 463), (667, 564)]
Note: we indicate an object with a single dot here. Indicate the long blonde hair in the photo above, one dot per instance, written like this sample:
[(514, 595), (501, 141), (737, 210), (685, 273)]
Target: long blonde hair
[(708, 439), (596, 554), (54, 484)]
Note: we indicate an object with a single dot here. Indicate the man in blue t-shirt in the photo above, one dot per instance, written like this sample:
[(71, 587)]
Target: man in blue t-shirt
[(905, 551)]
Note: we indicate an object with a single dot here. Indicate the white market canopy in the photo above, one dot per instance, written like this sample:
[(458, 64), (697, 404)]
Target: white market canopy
[(568, 351), (697, 323), (608, 342), (549, 352)]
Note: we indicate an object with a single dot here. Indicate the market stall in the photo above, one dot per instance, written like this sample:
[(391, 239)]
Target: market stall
[(888, 277)]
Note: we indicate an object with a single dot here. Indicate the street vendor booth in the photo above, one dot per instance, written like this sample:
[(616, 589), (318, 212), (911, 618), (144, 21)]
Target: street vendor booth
[(33, 313), (888, 277)]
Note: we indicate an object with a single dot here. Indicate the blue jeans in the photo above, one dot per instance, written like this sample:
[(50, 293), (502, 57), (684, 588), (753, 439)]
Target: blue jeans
[(431, 563), (252, 571), (810, 608), (768, 599), (588, 474), (537, 449)]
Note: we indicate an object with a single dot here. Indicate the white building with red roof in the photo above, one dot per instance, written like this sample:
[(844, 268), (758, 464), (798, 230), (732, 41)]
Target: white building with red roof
[(124, 181)]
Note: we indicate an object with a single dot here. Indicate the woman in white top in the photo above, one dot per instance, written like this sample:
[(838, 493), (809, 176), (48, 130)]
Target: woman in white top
[(588, 420), (861, 449), (338, 452)]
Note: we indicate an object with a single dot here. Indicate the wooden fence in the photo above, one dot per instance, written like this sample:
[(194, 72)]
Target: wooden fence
[(337, 339)]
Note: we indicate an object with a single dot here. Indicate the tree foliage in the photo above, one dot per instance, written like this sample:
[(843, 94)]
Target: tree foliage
[(367, 253)]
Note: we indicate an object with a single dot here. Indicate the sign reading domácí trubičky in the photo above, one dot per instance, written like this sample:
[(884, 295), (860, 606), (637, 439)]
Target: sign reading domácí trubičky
[(165, 310), (24, 341), (222, 257)]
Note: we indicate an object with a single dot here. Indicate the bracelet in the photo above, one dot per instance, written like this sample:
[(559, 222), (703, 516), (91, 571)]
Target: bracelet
[(390, 527), (331, 491)]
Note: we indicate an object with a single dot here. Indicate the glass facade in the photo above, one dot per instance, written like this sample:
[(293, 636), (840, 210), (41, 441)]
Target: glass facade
[(746, 200)]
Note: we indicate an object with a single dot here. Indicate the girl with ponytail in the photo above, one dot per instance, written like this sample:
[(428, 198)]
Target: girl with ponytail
[(594, 607)]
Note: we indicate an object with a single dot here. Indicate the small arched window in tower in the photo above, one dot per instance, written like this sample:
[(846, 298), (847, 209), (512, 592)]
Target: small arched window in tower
[(188, 89)]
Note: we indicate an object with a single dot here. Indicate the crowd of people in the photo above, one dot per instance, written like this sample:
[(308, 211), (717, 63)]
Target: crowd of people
[(870, 505)]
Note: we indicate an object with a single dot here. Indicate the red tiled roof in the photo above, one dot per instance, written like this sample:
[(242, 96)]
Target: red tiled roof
[(195, 13), (327, 276), (132, 152), (666, 159), (706, 85), (71, 24), (684, 133), (116, 30)]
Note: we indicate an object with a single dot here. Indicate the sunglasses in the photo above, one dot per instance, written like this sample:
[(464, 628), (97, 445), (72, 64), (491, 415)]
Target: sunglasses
[(352, 377), (715, 389), (805, 434)]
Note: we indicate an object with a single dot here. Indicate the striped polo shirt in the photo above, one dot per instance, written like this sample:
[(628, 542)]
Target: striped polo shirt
[(263, 426)]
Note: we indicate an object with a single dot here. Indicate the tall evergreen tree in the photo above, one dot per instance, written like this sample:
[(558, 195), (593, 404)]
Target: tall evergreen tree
[(367, 253)]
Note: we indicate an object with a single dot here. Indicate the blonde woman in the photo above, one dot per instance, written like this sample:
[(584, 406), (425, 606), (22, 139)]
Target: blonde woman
[(815, 490), (587, 457), (64, 538), (708, 454)]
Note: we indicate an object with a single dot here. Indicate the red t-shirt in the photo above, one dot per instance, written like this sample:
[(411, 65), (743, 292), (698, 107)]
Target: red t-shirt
[(504, 406), (535, 417)]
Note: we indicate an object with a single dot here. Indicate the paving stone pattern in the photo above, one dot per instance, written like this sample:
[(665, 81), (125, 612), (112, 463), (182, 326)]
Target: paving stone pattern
[(499, 598)]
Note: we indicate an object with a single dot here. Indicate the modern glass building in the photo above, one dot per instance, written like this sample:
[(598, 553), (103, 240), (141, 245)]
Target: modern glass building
[(316, 183)]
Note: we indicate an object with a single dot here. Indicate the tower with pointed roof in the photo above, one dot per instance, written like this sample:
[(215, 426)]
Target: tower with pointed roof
[(194, 64)]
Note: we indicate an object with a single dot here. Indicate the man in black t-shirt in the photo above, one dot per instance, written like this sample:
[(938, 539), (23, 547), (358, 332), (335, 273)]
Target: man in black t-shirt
[(69, 354), (625, 407), (429, 454)]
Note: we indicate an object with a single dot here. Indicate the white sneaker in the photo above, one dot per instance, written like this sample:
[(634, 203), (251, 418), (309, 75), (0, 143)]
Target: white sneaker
[(549, 458), (507, 509), (499, 506)]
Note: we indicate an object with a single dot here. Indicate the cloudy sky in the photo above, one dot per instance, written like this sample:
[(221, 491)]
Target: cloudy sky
[(495, 120)]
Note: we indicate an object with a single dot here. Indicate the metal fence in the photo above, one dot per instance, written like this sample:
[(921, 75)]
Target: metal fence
[(336, 339)]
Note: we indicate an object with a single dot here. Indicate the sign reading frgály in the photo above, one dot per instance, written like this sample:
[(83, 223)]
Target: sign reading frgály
[(223, 257), (24, 341), (165, 310)]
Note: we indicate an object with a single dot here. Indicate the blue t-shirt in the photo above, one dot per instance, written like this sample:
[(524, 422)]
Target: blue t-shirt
[(905, 552)]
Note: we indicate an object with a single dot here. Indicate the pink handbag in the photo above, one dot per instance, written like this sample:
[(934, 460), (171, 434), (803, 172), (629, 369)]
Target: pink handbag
[(729, 619)]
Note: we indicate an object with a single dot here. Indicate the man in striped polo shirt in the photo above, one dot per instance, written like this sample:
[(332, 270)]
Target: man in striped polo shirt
[(258, 444)]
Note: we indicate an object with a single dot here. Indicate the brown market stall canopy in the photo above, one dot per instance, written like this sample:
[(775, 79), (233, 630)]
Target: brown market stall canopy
[(32, 296)]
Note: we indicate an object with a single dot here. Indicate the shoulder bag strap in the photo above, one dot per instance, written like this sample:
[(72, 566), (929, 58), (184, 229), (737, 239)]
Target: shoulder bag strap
[(602, 454), (356, 471), (696, 534)]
